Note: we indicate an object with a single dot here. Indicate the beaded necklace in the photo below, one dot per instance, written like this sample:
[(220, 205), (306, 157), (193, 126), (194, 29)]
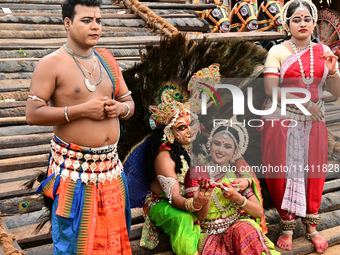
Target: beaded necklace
[(220, 208), (306, 80)]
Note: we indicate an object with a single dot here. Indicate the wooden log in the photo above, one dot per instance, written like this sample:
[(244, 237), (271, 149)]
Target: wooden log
[(17, 65), (190, 24), (21, 175), (12, 121), (15, 54), (28, 65), (22, 220), (15, 189), (12, 112), (26, 237), (331, 186), (25, 140), (62, 34), (25, 130), (4, 105), (4, 76), (36, 7), (16, 95), (56, 2), (196, 7), (23, 162), (137, 40), (46, 249), (10, 85), (183, 14), (25, 151)]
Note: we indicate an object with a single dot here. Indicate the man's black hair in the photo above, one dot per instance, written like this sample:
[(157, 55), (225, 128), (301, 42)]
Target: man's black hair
[(68, 6)]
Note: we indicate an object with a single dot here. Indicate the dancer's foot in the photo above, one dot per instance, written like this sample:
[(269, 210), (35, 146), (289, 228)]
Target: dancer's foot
[(285, 240), (318, 241)]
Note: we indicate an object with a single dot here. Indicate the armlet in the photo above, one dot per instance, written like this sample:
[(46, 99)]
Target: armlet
[(167, 184)]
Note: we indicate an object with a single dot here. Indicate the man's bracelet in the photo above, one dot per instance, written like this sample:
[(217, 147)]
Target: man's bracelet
[(127, 112), (66, 115), (127, 94)]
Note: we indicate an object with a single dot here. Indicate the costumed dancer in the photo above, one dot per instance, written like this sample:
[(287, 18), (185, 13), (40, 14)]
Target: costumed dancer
[(226, 226), (169, 160), (301, 142), (159, 163), (90, 211)]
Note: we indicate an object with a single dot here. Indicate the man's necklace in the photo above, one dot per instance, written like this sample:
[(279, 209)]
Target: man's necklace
[(306, 80), (89, 86)]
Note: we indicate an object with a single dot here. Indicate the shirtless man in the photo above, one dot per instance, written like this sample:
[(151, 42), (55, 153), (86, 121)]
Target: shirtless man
[(73, 92)]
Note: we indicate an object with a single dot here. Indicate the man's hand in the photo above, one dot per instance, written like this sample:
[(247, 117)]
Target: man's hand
[(114, 108), (94, 108)]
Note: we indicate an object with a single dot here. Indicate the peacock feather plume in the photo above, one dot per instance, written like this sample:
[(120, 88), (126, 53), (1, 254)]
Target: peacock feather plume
[(175, 60)]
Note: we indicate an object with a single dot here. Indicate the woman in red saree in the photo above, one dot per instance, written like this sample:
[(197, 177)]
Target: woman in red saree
[(295, 143), (231, 222)]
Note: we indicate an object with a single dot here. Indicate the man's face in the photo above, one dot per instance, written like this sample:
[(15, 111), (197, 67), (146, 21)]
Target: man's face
[(86, 27)]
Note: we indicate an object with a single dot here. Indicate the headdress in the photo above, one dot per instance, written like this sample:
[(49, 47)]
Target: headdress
[(171, 103), (241, 145), (203, 81), (284, 17), (168, 110)]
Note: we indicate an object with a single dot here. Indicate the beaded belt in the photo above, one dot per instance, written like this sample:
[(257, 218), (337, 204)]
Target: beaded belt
[(71, 160), (152, 199), (219, 225), (293, 112)]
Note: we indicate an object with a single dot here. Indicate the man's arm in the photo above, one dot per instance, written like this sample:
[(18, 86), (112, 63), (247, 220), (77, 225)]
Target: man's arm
[(43, 86)]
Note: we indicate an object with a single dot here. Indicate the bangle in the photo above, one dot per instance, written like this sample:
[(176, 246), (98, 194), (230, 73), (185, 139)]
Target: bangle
[(238, 199), (189, 205), (193, 207), (309, 105), (127, 112), (248, 184), (336, 73), (66, 116), (127, 94), (244, 202)]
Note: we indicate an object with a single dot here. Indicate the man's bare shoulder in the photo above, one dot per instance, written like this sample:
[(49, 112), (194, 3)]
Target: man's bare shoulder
[(53, 57)]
